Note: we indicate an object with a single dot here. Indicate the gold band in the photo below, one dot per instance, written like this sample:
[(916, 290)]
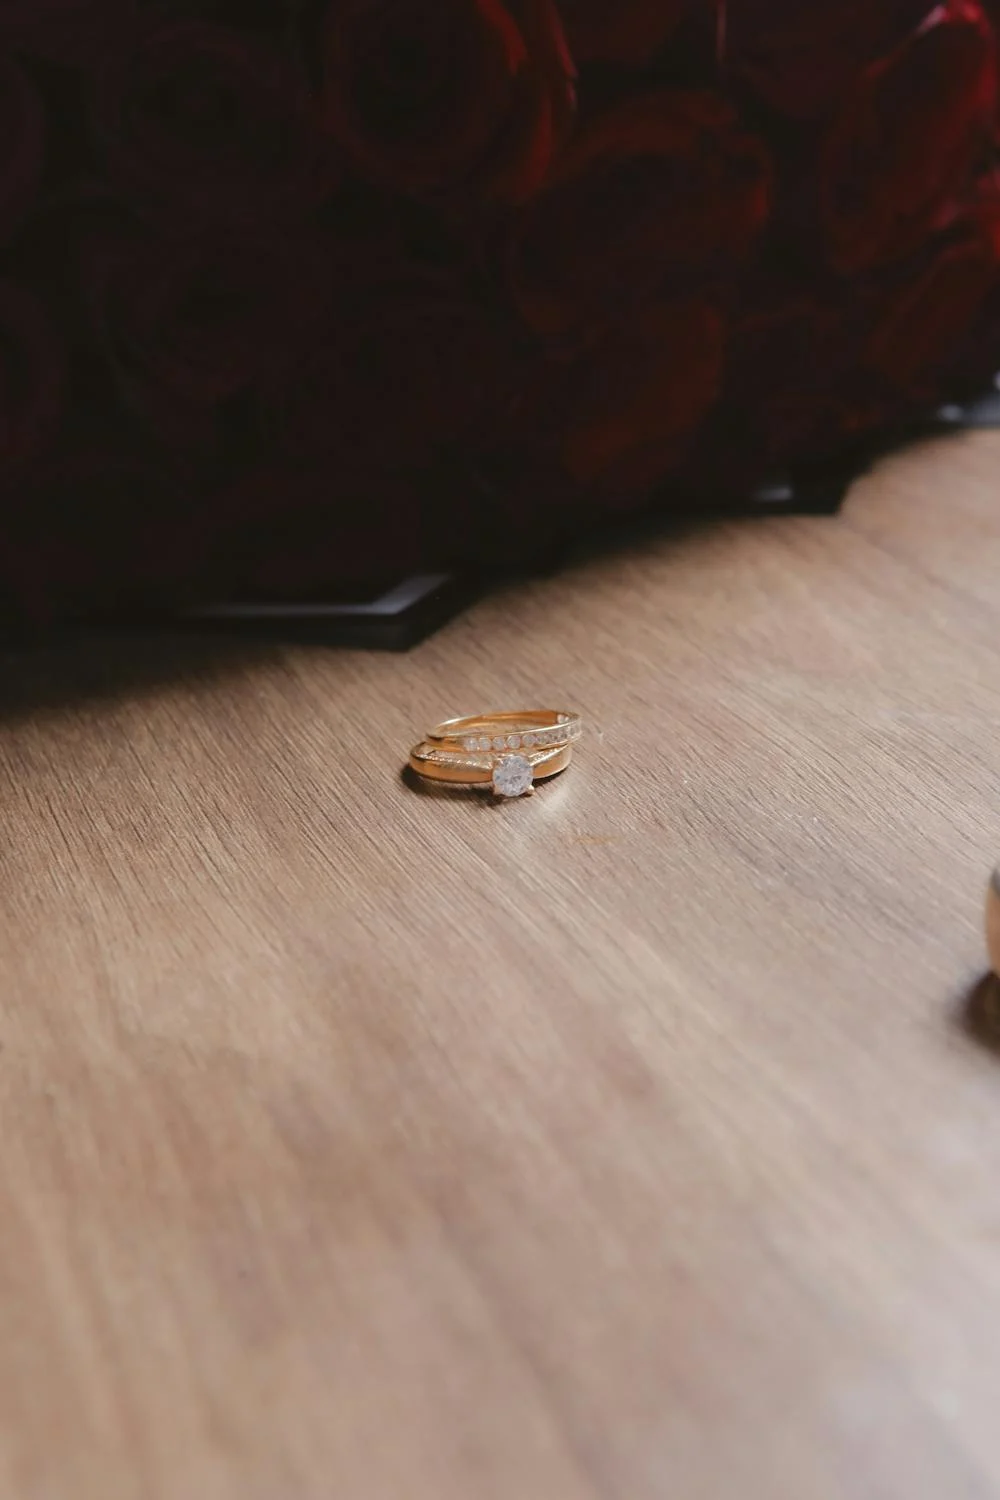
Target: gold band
[(438, 764), (509, 730)]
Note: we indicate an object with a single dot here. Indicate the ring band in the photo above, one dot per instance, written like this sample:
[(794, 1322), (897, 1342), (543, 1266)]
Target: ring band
[(509, 751), (520, 729)]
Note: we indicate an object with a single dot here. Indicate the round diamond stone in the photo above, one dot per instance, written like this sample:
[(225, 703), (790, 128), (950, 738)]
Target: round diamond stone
[(512, 776)]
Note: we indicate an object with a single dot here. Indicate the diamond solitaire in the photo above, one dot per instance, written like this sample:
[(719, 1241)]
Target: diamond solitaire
[(513, 776)]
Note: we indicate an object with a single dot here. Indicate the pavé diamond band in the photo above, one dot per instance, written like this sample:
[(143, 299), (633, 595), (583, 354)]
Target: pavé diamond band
[(521, 729), (507, 751)]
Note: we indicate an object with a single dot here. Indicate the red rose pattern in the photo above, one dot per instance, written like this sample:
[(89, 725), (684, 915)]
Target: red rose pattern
[(409, 364), (632, 403), (202, 124), (802, 58), (904, 146), (206, 319), (665, 187), (432, 95), (628, 32), (803, 345), (294, 295), (913, 339)]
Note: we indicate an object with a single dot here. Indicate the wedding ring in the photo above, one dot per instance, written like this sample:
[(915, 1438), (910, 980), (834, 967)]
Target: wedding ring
[(517, 730), (507, 751)]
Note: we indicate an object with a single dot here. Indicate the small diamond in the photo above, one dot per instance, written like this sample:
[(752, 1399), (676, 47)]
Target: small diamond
[(472, 744), (500, 743), (514, 741), (529, 739), (485, 742), (512, 776)]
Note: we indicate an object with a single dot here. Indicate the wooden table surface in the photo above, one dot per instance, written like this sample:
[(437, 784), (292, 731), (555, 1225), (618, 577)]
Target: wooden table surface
[(637, 1141)]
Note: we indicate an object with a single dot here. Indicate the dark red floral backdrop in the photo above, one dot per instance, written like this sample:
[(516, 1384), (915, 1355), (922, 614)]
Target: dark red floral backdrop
[(300, 292)]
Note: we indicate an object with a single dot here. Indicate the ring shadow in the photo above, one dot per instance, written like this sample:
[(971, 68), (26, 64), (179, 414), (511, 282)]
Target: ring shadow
[(452, 791), (979, 1014)]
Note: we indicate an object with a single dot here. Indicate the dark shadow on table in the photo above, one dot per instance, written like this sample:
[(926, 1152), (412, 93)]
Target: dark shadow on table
[(129, 656), (979, 1014), (51, 673)]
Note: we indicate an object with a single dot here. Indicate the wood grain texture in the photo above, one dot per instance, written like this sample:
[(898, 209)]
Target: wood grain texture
[(633, 1142)]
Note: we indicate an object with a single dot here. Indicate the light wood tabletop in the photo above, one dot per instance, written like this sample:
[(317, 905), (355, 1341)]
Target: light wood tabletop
[(636, 1141)]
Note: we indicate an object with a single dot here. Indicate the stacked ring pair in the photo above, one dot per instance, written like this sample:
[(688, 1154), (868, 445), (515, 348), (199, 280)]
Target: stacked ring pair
[(506, 751)]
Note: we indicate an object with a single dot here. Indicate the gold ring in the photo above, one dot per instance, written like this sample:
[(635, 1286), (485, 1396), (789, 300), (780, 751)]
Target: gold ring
[(520, 729), (508, 751)]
